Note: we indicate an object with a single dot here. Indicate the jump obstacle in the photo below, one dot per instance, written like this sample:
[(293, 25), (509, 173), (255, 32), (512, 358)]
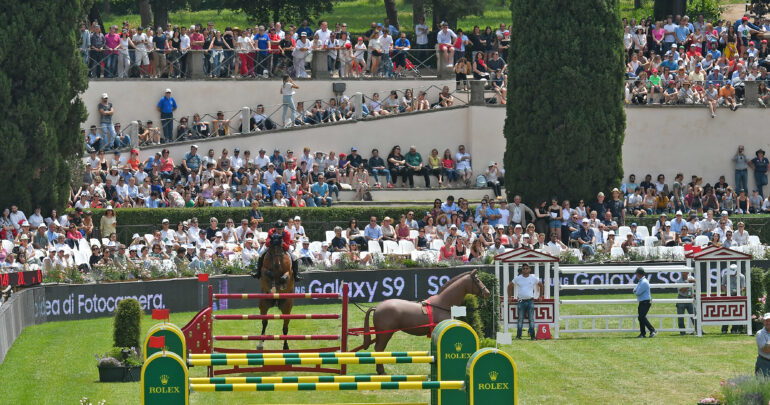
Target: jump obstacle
[(715, 302), (487, 376), (200, 337)]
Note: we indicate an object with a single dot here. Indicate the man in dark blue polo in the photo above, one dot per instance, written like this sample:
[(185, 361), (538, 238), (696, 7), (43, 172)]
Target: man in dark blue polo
[(167, 106), (759, 164)]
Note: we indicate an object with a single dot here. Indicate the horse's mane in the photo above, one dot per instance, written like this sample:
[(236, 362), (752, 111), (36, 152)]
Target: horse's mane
[(452, 281)]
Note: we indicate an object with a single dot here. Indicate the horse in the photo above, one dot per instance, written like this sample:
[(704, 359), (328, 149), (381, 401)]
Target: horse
[(276, 277), (419, 318)]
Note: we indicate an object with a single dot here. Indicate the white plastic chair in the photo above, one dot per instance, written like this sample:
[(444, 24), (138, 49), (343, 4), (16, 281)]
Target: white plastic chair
[(754, 240), (7, 246), (374, 247), (391, 247), (329, 236), (617, 253), (650, 241), (413, 233), (701, 240), (623, 231), (643, 231), (436, 244), (149, 238), (105, 241), (95, 241), (406, 246), (315, 246)]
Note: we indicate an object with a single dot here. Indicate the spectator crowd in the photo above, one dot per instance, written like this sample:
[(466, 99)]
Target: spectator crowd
[(683, 61), (275, 49)]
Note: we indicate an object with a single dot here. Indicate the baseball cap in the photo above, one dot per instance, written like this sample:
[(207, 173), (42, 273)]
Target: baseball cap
[(678, 213), (354, 149), (297, 218), (585, 220), (633, 224), (104, 95), (168, 90)]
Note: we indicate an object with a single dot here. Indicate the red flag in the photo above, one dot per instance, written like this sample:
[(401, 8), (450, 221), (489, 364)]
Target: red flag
[(203, 277), (157, 342), (160, 314)]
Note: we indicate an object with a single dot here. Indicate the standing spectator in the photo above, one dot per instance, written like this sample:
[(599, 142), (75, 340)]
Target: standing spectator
[(518, 212), (106, 111), (642, 292), (762, 365), (98, 42), (681, 308), (166, 106), (421, 32), (112, 42), (141, 59), (759, 164), (525, 294), (300, 52), (287, 92), (445, 39), (85, 43), (741, 170)]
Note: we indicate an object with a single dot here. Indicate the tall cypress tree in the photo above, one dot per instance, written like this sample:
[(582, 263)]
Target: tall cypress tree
[(565, 121), (41, 76)]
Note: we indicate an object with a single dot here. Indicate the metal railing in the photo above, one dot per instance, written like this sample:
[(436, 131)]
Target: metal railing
[(227, 63), (273, 117)]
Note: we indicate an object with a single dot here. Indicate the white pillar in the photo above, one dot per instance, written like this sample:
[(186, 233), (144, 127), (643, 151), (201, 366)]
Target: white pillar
[(245, 120), (358, 102)]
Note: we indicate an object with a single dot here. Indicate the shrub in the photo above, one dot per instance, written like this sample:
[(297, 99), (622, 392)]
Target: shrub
[(746, 390), (128, 318), (487, 307), (472, 316), (487, 342)]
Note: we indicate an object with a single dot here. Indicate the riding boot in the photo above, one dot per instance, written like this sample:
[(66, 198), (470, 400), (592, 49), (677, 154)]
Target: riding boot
[(295, 270), (256, 273)]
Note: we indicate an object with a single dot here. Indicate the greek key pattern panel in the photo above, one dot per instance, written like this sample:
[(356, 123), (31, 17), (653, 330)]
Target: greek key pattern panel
[(719, 311), (544, 313)]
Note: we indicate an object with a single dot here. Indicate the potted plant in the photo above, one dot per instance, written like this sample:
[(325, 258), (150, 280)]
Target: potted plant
[(123, 363)]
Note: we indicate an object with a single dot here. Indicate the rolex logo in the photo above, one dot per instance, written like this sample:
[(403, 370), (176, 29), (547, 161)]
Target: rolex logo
[(493, 375), (458, 346), (164, 379)]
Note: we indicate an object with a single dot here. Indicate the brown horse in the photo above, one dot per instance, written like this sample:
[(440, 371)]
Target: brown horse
[(394, 315), (276, 277)]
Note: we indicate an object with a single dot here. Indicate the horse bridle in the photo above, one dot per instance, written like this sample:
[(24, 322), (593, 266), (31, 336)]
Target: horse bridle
[(477, 283)]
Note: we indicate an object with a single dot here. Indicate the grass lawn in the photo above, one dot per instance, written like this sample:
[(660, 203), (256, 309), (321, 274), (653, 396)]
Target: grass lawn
[(358, 14), (54, 364)]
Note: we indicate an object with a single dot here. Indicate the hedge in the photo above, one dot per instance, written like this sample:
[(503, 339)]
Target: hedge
[(318, 220)]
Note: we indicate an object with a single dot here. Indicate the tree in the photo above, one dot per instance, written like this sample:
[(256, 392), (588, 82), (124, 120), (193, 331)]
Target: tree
[(565, 121), (663, 8), (280, 10), (161, 8), (452, 10), (391, 12), (39, 92)]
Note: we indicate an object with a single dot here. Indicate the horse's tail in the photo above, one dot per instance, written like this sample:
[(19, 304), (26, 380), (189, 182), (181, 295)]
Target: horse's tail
[(367, 337)]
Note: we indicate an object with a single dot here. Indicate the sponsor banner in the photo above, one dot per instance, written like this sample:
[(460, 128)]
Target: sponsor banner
[(21, 279), (71, 302)]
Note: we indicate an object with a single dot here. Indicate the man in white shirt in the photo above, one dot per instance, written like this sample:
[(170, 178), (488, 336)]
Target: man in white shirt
[(270, 175), (445, 40), (421, 34), (140, 41), (17, 216), (525, 292), (249, 255), (300, 52), (707, 225), (184, 46), (463, 165), (262, 161), (323, 33), (497, 248), (236, 161)]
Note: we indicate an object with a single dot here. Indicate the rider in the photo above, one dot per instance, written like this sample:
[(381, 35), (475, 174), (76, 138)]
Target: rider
[(276, 234)]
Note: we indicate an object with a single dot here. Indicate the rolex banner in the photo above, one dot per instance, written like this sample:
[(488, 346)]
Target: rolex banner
[(452, 343), (164, 380)]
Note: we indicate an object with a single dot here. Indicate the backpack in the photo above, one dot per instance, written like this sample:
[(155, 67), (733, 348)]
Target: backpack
[(481, 181)]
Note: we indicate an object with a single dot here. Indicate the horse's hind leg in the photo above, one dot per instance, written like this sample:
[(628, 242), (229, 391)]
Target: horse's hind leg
[(379, 346)]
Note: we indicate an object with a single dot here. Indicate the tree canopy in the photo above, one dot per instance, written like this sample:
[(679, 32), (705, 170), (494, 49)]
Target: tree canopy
[(565, 121), (41, 76)]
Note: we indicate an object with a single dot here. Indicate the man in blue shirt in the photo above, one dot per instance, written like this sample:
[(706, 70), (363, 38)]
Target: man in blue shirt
[(278, 185), (263, 43), (642, 291), (670, 62), (760, 164), (304, 28), (449, 207), (152, 202), (191, 162), (166, 106), (320, 192), (373, 231), (401, 45), (586, 238)]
